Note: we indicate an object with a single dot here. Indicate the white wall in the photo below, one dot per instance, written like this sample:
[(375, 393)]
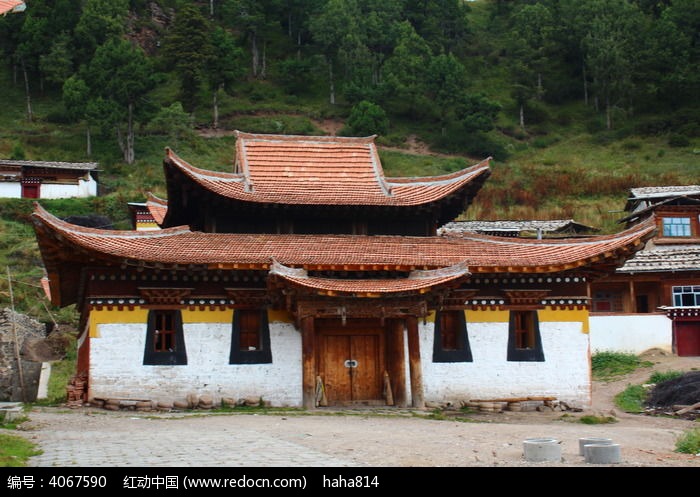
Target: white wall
[(565, 373), (117, 370), (631, 333), (81, 189), (10, 190)]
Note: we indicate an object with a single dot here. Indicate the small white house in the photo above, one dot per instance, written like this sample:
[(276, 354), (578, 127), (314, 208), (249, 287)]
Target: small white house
[(36, 179)]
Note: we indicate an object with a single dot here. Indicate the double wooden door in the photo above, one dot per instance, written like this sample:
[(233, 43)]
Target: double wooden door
[(351, 361)]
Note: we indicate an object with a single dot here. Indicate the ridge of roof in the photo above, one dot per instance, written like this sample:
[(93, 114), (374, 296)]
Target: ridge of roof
[(50, 164), (243, 135)]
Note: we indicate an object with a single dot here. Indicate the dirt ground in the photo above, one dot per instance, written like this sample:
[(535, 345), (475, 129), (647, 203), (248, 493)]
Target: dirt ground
[(404, 438)]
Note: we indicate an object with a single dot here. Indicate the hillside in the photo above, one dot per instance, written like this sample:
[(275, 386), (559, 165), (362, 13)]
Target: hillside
[(556, 155)]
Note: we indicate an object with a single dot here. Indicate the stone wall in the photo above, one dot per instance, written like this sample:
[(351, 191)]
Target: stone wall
[(28, 331)]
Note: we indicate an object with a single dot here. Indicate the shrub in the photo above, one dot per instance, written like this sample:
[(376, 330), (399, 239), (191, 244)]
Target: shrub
[(632, 399), (18, 152), (689, 442), (678, 140), (367, 119), (659, 376)]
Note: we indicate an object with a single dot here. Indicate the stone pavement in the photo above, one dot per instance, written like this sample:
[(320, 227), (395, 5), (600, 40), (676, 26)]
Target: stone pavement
[(139, 441)]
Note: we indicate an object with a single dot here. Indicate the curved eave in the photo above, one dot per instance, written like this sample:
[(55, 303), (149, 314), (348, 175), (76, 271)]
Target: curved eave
[(398, 192), (67, 248), (418, 282), (158, 208)]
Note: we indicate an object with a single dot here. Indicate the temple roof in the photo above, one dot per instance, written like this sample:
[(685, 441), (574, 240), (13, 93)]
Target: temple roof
[(417, 281), (66, 246), (319, 170), (158, 207)]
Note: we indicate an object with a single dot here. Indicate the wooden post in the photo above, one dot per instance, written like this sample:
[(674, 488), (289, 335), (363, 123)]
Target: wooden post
[(20, 372), (633, 297), (414, 363), (308, 351), (397, 362)]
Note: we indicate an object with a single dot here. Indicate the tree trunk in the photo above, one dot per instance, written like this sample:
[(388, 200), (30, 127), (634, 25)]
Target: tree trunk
[(299, 45), (585, 85), (263, 66), (130, 136), (120, 141), (256, 55), (88, 140), (216, 107), (30, 116), (211, 8), (608, 113), (522, 116), (539, 86), (332, 83), (289, 24)]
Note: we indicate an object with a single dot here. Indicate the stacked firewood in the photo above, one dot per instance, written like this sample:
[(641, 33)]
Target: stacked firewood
[(76, 391)]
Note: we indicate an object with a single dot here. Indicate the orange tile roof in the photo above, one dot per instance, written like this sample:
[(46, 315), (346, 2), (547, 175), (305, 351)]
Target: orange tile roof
[(157, 207), (417, 281), (482, 253), (319, 170), (7, 6)]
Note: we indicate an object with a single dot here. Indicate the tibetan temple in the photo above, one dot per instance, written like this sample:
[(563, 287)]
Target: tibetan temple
[(308, 278)]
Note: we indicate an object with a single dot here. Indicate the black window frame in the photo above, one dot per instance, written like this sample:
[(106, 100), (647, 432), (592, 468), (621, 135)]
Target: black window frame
[(262, 356), (463, 352), (534, 354), (178, 357)]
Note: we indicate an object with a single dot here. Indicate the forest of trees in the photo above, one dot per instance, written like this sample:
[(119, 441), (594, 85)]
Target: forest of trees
[(415, 59)]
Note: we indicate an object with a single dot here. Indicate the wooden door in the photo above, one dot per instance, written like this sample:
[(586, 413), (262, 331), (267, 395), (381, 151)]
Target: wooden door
[(351, 364), (687, 338)]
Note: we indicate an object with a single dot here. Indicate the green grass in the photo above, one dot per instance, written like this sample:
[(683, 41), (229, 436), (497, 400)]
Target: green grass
[(661, 376), (596, 420), (608, 365), (632, 399), (689, 442), (15, 451)]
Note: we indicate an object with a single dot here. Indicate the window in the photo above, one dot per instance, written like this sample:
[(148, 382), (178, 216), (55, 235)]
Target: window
[(607, 302), (165, 341), (676, 226), (686, 296), (250, 337), (524, 341), (451, 343)]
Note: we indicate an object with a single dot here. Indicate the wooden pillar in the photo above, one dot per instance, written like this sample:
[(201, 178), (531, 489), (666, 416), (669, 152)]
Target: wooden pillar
[(397, 362), (308, 354), (414, 363), (633, 297)]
